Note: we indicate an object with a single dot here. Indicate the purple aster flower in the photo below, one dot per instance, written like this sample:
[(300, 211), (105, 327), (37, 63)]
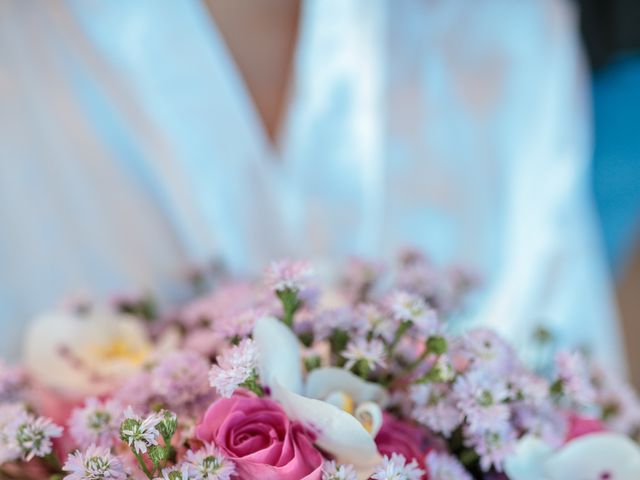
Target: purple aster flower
[(360, 276), (373, 319), (12, 382), (370, 352), (486, 350), (574, 378), (442, 466), (544, 420), (180, 377), (618, 401), (405, 306), (240, 324), (96, 423), (328, 321), (288, 275), (435, 407), (480, 397), (493, 446), (95, 463)]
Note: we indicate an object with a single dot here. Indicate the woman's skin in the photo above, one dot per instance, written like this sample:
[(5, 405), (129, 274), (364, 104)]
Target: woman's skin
[(629, 300), (261, 36)]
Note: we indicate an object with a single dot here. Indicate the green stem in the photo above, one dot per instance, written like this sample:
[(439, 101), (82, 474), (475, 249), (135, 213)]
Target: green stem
[(402, 329), (412, 366), (143, 465), (52, 460), (290, 304)]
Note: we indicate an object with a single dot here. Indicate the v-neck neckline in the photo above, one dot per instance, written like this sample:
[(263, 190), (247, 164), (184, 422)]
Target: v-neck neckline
[(273, 149)]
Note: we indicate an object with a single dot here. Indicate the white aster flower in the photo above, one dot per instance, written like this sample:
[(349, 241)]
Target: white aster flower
[(8, 449), (96, 423), (443, 466), (177, 472), (31, 436), (333, 471), (397, 468), (140, 433), (574, 377), (209, 463), (235, 366), (95, 463), (377, 321), (372, 352), (492, 446), (406, 306)]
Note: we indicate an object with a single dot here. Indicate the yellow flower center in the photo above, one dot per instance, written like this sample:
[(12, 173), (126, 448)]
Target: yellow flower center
[(120, 349)]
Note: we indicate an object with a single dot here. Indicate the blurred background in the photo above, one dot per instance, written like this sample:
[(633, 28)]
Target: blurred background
[(136, 136), (611, 34)]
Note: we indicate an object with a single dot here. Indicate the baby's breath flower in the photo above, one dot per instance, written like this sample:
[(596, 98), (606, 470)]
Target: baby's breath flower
[(235, 367), (332, 471), (209, 463), (96, 463), (397, 468), (140, 433)]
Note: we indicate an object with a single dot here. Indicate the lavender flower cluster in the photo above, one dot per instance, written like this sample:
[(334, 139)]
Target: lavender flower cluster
[(384, 346)]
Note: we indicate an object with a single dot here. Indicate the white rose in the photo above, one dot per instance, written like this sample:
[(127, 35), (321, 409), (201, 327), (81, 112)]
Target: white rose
[(85, 353)]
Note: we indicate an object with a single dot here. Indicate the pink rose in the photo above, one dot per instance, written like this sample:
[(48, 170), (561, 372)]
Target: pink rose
[(257, 435), (404, 438), (580, 426)]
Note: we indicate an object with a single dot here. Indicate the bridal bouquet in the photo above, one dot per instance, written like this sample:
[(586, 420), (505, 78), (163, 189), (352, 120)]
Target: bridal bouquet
[(279, 379)]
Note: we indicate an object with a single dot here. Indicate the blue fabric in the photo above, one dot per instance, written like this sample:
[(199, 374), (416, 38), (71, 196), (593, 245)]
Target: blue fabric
[(616, 92)]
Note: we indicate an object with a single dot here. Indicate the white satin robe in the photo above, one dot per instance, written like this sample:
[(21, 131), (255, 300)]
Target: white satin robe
[(129, 148)]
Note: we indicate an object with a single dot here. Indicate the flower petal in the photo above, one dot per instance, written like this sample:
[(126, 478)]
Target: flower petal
[(335, 430), (369, 414), (595, 456), (279, 354), (527, 461), (324, 381)]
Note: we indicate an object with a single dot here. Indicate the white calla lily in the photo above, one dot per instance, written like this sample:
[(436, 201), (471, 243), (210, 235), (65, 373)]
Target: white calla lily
[(592, 457), (280, 354), (334, 404), (322, 382)]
